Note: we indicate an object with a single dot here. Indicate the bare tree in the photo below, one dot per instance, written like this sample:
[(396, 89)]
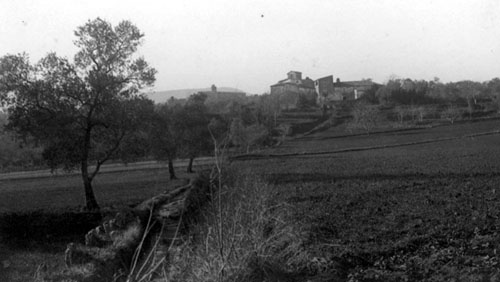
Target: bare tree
[(421, 111), (451, 113), (401, 112), (365, 117)]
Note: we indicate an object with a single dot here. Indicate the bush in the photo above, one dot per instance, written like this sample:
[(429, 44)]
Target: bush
[(365, 117), (451, 113), (239, 236)]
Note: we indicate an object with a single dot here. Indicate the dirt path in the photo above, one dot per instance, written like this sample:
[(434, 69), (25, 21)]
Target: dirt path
[(106, 168)]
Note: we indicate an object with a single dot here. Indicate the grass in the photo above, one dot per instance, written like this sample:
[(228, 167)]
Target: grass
[(60, 192), (239, 238), (24, 265), (39, 217)]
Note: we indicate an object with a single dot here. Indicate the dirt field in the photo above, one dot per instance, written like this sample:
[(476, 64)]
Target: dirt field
[(410, 213)]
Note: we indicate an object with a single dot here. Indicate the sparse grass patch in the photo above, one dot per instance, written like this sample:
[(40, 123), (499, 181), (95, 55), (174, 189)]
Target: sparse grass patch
[(247, 240), (29, 265)]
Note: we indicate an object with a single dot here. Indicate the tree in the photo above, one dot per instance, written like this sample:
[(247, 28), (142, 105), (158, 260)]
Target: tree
[(257, 135), (401, 112), (421, 112), (14, 154), (247, 136), (191, 126), (81, 112), (268, 109), (164, 142), (365, 117), (436, 90), (219, 131), (493, 91), (470, 91), (383, 94), (237, 133), (451, 113)]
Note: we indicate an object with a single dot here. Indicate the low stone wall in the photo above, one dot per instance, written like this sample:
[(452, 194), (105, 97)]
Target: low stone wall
[(120, 247)]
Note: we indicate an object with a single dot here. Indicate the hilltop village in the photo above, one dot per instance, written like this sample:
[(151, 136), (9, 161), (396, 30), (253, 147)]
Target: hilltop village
[(295, 90), (323, 91)]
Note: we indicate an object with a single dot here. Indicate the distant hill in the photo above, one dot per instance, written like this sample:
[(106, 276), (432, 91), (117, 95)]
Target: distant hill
[(163, 96)]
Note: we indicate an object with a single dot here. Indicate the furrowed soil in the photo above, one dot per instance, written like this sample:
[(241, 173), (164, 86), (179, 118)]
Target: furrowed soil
[(423, 212)]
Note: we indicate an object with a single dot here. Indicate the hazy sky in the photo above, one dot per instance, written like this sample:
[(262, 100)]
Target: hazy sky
[(253, 44)]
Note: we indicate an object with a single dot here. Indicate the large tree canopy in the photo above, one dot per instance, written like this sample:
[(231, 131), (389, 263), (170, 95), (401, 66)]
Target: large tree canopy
[(83, 112)]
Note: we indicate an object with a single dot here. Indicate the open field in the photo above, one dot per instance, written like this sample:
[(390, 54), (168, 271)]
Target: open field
[(411, 213), (416, 212), (119, 188), (116, 185), (337, 139)]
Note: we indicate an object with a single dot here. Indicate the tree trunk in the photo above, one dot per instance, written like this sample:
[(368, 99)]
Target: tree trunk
[(90, 200), (190, 165), (470, 107), (171, 170)]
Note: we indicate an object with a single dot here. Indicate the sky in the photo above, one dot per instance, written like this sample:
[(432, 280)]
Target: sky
[(252, 44)]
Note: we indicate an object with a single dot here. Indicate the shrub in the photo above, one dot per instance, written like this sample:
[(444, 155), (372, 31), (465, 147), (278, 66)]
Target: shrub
[(365, 117), (239, 236), (451, 113)]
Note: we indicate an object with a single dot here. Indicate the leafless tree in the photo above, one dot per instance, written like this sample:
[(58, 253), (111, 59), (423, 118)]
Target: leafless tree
[(452, 113), (365, 117)]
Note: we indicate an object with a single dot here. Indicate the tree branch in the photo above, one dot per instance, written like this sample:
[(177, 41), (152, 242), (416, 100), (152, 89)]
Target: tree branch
[(108, 155)]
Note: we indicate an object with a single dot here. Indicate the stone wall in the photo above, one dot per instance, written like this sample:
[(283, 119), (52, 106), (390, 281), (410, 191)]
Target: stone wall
[(118, 248)]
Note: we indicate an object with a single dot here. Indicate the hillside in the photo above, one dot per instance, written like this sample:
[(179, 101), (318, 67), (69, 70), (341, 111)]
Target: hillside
[(414, 205), (163, 96)]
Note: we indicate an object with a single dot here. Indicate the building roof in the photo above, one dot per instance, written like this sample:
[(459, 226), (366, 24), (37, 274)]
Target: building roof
[(290, 82), (329, 77), (305, 83), (356, 83)]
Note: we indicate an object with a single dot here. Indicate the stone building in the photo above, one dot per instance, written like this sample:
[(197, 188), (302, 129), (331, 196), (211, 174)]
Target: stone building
[(291, 88), (330, 92), (326, 90), (352, 90), (323, 90)]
